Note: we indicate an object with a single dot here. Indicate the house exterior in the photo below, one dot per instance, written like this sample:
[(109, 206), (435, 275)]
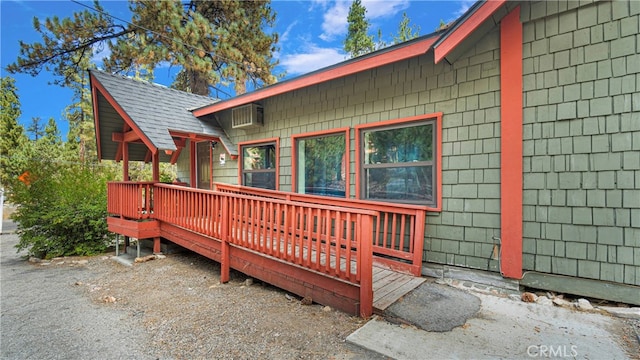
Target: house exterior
[(517, 131)]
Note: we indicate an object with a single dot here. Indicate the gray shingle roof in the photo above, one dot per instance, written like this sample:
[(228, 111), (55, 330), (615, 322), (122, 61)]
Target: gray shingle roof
[(156, 109)]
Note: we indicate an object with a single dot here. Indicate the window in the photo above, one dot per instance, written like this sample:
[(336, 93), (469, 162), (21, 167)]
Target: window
[(259, 164), (398, 161), (322, 163)]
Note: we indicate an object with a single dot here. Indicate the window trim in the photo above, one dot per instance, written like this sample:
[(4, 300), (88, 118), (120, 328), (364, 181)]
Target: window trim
[(437, 117), (260, 142), (317, 134)]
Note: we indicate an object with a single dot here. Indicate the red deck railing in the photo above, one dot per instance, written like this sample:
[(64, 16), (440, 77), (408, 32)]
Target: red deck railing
[(398, 229), (132, 200), (331, 240)]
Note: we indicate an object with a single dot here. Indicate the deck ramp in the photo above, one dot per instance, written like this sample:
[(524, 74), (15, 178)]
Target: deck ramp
[(389, 286)]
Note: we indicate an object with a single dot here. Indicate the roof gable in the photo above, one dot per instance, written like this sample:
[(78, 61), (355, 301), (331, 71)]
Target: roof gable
[(154, 111)]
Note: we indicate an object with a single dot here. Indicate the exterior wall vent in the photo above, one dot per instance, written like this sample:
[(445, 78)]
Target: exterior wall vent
[(247, 116)]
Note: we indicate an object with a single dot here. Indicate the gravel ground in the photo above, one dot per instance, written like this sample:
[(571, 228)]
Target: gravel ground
[(172, 308)]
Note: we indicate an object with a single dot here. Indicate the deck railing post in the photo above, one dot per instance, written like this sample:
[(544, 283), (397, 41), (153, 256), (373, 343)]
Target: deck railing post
[(418, 245), (224, 241), (365, 265)]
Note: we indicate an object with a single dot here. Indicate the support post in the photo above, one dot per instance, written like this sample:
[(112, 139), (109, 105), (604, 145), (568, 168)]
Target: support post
[(125, 161), (155, 163), (418, 245), (156, 245), (365, 265), (511, 144), (224, 245)]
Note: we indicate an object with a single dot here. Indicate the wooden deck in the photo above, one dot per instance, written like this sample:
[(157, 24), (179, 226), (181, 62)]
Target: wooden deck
[(389, 286), (317, 250)]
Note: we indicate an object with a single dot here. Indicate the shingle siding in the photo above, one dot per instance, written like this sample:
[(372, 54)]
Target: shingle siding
[(467, 93), (581, 186), (592, 49)]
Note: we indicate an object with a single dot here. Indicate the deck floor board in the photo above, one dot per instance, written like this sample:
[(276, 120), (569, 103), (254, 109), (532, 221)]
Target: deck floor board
[(389, 286)]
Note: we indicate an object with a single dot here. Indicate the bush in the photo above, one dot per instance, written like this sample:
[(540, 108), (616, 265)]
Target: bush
[(63, 211)]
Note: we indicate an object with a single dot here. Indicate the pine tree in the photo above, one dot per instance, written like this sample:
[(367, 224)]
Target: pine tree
[(212, 41), (406, 31), (35, 129), (358, 41), (81, 140), (13, 136)]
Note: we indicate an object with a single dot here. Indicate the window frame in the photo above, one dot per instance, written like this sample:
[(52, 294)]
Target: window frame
[(319, 134), (254, 143), (400, 123)]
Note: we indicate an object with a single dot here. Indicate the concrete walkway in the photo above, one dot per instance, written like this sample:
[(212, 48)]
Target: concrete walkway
[(502, 328)]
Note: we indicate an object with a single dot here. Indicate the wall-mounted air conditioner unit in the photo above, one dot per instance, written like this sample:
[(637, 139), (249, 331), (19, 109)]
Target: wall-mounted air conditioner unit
[(247, 116)]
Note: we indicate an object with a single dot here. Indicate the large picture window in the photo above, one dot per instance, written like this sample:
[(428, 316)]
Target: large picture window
[(322, 163), (259, 165), (398, 162)]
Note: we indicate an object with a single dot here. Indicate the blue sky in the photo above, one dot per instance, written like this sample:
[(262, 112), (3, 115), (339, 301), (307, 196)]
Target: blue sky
[(311, 35)]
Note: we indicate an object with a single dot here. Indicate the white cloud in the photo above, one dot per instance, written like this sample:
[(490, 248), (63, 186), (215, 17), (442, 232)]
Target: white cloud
[(313, 59), (464, 6), (385, 8), (335, 18), (100, 51), (285, 35)]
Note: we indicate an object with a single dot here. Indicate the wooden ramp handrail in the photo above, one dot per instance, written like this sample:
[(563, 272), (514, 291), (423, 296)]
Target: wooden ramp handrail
[(398, 231), (330, 240)]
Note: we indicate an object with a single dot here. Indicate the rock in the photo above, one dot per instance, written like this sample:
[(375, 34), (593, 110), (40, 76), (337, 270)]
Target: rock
[(562, 302), (45, 263), (543, 300), (144, 258), (83, 262), (78, 283), (515, 297), (288, 297), (161, 256), (306, 300), (584, 305), (529, 297), (622, 312), (248, 282), (109, 299), (34, 260), (327, 309)]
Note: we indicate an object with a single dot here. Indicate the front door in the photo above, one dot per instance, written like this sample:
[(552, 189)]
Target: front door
[(203, 165)]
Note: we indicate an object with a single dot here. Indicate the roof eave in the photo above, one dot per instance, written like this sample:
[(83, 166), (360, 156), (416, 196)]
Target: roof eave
[(408, 51), (465, 25)]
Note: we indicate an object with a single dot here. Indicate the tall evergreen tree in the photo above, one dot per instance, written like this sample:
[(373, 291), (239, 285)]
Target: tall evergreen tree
[(35, 129), (358, 41), (81, 140), (406, 31), (13, 136), (213, 41)]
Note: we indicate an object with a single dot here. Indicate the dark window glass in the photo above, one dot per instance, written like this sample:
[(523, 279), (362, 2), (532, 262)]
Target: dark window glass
[(321, 165), (259, 166), (398, 163)]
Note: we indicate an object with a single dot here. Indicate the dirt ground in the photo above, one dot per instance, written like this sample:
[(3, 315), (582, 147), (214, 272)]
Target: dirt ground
[(172, 308), (189, 314)]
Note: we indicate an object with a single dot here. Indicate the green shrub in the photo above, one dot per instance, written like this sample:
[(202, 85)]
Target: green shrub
[(63, 211)]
